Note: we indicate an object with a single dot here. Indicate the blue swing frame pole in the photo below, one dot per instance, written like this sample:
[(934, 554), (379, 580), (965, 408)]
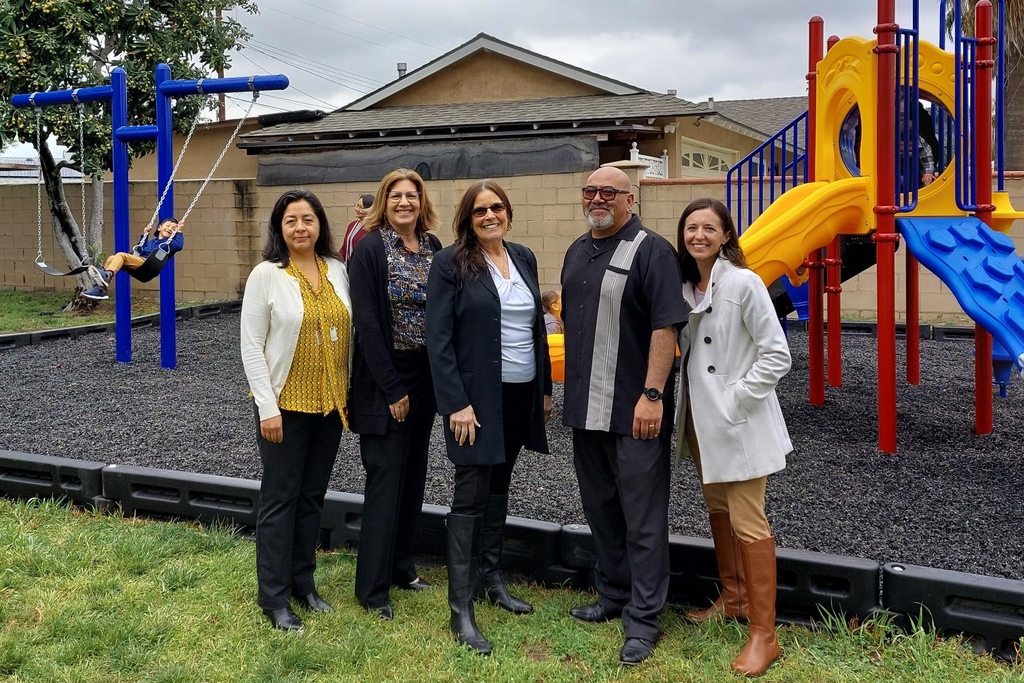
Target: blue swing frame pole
[(164, 167), (123, 301), (162, 132)]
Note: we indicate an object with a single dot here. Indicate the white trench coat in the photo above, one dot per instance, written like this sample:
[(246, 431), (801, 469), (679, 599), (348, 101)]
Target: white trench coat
[(737, 355)]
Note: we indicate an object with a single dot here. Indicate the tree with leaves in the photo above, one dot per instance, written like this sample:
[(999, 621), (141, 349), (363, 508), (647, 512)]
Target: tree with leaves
[(1013, 142), (64, 44)]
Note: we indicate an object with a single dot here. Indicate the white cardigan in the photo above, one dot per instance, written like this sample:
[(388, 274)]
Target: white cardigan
[(738, 354), (271, 318)]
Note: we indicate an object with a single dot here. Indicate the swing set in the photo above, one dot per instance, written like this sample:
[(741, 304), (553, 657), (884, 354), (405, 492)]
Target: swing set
[(121, 135)]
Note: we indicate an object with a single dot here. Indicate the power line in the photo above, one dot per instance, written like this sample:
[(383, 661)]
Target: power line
[(261, 68), (309, 71), (290, 57), (347, 35), (363, 23)]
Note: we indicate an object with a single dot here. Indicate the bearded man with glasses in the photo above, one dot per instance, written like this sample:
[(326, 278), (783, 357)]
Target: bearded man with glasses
[(622, 308)]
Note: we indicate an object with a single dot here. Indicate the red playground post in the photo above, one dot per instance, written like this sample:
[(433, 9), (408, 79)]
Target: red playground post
[(885, 234), (983, 181)]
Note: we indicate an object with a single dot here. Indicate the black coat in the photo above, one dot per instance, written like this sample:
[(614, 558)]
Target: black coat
[(464, 344), (375, 383)]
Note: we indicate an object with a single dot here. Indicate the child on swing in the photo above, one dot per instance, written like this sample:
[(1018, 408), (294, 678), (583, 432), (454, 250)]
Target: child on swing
[(165, 234)]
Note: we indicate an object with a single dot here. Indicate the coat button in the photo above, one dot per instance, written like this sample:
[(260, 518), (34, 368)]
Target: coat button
[(707, 340), (707, 310), (711, 369)]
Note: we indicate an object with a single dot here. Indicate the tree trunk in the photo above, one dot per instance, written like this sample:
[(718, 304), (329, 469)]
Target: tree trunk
[(65, 229)]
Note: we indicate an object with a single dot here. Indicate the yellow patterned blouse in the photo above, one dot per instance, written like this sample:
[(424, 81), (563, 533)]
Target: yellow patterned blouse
[(318, 379)]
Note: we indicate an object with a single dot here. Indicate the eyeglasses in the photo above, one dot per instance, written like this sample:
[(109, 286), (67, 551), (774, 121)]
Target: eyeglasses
[(495, 208), (397, 196), (607, 193)]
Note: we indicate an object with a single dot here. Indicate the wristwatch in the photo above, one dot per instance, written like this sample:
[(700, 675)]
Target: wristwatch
[(652, 393)]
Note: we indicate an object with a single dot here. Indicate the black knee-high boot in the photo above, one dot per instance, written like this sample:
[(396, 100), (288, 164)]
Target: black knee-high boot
[(492, 583), (463, 565)]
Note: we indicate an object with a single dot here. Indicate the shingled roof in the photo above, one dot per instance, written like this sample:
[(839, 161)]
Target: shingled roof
[(767, 116), (590, 113)]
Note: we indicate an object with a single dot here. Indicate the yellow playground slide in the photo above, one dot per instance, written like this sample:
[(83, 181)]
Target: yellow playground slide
[(803, 219)]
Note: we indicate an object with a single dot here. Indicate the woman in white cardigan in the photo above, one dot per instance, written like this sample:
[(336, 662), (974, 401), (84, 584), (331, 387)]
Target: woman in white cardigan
[(296, 351), (735, 353)]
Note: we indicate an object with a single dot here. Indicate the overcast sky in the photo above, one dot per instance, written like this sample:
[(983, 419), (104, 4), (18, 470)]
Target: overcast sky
[(334, 52)]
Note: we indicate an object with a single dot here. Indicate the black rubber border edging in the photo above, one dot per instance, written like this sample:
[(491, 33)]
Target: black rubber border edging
[(19, 339)]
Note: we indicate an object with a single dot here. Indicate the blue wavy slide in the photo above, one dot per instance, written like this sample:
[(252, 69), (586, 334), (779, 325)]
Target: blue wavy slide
[(980, 266)]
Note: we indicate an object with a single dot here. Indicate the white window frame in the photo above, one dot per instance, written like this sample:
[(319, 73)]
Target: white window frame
[(721, 158)]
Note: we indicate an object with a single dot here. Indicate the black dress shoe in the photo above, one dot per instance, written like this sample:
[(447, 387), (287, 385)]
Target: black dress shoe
[(635, 650), (595, 613), (284, 619), (417, 584), (312, 602), (385, 612)]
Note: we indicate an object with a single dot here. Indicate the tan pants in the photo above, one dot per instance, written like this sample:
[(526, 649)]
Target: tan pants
[(743, 501), (122, 260)]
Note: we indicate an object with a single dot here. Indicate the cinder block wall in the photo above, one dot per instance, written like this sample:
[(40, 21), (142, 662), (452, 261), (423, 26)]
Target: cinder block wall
[(225, 232)]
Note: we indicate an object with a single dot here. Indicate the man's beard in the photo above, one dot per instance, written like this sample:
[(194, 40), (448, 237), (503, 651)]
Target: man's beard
[(602, 223)]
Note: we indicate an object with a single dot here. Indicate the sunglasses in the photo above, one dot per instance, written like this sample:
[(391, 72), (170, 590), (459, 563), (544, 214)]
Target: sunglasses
[(607, 193), (495, 208)]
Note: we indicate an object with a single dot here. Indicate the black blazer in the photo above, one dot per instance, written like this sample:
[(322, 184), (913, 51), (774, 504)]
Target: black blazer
[(464, 344), (375, 384)]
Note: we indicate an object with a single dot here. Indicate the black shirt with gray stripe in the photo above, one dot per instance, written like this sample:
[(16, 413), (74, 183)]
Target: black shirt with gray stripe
[(615, 292)]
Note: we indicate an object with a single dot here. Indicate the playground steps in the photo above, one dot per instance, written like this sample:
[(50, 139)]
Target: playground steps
[(857, 252), (980, 266)]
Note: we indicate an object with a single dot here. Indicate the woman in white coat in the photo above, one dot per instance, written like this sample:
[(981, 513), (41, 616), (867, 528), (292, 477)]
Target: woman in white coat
[(735, 353), (296, 333)]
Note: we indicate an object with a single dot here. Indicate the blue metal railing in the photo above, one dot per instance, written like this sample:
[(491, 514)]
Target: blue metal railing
[(778, 158), (964, 54), (908, 120), (1000, 92)]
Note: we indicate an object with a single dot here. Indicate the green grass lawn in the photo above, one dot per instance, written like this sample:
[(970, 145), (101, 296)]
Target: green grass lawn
[(32, 311), (91, 597)]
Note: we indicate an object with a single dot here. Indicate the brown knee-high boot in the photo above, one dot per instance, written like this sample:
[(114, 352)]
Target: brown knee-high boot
[(730, 602), (762, 647)]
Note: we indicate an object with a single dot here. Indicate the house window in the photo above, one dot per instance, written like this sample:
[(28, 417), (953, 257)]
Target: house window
[(702, 160)]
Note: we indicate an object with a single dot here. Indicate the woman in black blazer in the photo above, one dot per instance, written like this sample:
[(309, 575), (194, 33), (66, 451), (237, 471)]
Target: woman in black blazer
[(392, 404), (492, 377)]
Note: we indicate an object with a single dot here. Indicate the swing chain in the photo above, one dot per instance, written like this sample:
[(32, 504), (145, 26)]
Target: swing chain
[(227, 146), (39, 188), (83, 228), (174, 171)]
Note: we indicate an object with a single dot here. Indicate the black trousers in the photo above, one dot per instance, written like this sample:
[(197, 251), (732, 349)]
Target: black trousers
[(474, 483), (295, 477), (624, 487), (396, 474)]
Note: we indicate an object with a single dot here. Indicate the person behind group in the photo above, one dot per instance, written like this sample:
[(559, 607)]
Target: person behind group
[(168, 232), (492, 376), (618, 401), (356, 230), (735, 353), (552, 302), (392, 406), (295, 344)]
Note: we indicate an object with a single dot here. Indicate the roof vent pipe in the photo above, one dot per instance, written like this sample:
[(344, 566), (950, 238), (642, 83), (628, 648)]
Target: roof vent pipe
[(711, 103), (402, 68)]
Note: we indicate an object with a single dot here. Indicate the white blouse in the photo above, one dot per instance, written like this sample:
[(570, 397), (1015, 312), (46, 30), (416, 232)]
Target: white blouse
[(518, 308)]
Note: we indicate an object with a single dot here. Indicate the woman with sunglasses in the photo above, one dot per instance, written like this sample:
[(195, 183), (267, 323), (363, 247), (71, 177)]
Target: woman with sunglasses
[(492, 378), (392, 404)]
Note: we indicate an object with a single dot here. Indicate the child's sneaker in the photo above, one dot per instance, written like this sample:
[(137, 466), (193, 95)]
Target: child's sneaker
[(96, 292)]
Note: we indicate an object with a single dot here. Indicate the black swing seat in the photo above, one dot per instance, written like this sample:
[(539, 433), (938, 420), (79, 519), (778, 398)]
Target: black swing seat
[(50, 270), (152, 266)]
